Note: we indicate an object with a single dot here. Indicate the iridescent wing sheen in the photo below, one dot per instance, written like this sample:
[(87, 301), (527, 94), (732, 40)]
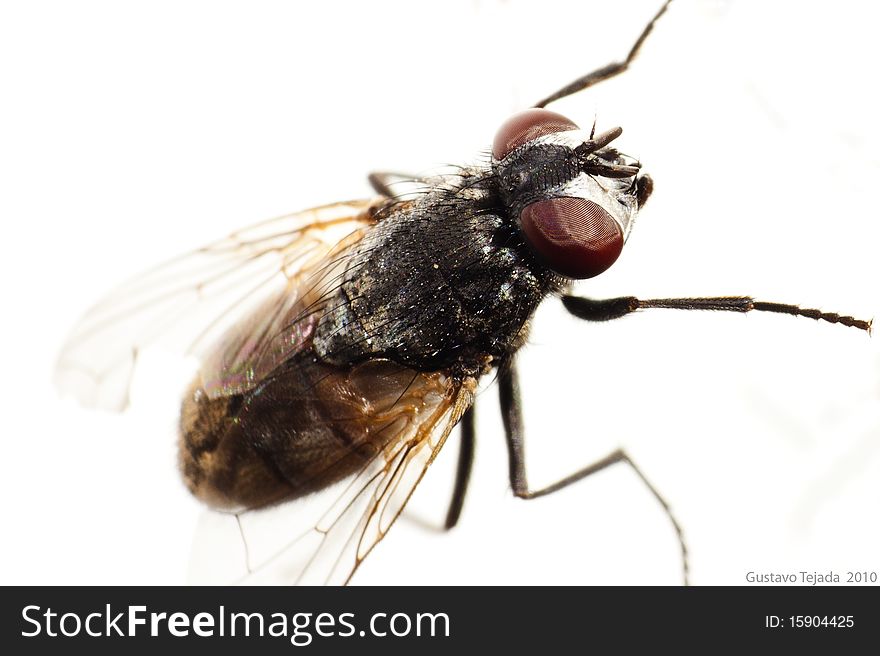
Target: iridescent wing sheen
[(238, 305), (328, 548)]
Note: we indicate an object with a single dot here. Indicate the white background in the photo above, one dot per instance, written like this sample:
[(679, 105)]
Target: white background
[(131, 132)]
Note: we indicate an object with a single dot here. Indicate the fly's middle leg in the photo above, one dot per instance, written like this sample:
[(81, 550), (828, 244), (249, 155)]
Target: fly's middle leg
[(511, 415)]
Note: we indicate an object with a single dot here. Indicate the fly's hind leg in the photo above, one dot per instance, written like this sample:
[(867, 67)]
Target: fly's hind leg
[(511, 415), (462, 479), (465, 464), (606, 72)]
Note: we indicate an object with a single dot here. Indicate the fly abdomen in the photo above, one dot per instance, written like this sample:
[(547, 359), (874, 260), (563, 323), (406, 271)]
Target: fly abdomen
[(307, 426)]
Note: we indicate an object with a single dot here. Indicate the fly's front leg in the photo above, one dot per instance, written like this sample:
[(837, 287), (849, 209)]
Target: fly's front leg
[(613, 308), (606, 72), (511, 415)]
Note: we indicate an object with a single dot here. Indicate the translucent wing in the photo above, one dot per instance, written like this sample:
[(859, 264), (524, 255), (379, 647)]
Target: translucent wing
[(363, 508), (266, 273)]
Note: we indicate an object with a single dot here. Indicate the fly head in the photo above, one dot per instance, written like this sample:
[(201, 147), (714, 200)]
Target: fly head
[(574, 196)]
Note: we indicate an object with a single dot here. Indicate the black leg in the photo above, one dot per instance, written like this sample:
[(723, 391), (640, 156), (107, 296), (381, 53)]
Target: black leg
[(465, 464), (608, 71), (613, 308), (382, 181), (513, 428)]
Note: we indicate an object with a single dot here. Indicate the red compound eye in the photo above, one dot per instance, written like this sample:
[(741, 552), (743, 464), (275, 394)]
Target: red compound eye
[(525, 126), (574, 236)]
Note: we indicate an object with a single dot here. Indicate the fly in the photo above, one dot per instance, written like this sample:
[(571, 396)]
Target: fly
[(342, 344)]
